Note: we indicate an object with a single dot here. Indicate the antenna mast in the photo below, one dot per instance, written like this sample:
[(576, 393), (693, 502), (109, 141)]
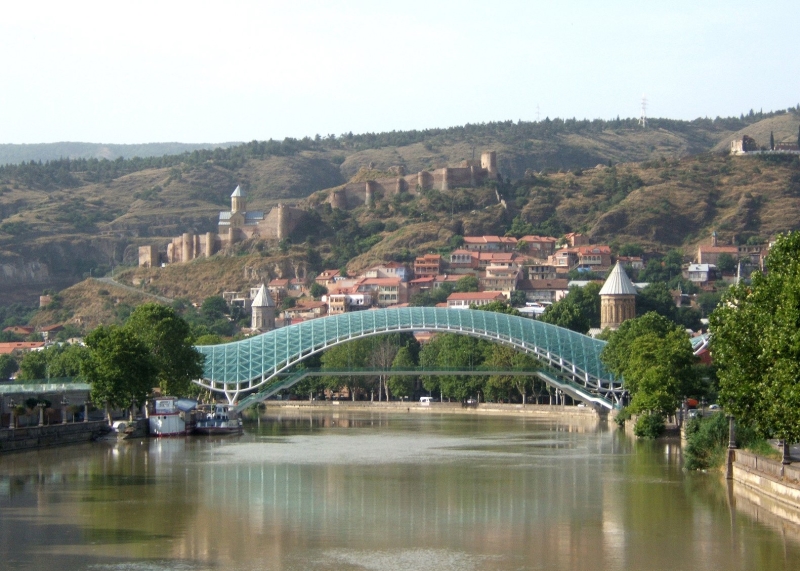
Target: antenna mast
[(537, 112), (643, 118)]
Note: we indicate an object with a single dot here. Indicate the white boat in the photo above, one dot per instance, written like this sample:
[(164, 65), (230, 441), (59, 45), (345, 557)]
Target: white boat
[(220, 419), (166, 419)]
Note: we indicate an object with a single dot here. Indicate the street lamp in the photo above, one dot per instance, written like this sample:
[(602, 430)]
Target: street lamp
[(64, 403)]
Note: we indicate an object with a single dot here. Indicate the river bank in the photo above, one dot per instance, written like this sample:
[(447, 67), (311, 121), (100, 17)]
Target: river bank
[(440, 407), (48, 436)]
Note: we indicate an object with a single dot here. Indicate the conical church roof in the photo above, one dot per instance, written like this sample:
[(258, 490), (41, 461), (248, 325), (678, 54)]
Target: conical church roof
[(237, 192), (263, 298), (618, 283)]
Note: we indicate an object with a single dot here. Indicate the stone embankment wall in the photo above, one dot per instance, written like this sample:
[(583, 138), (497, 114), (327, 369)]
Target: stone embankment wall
[(767, 485), (437, 407), (47, 436)]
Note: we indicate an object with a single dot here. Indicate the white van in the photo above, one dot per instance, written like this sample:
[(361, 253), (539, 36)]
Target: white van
[(425, 401)]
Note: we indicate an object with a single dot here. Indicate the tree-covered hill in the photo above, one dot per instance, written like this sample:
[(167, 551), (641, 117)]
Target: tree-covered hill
[(62, 219)]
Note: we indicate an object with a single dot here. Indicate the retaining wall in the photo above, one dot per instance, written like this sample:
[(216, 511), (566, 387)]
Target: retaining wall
[(768, 484), (438, 407), (51, 435)]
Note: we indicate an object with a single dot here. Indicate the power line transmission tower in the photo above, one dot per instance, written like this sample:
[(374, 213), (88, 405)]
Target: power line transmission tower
[(643, 118), (537, 112)]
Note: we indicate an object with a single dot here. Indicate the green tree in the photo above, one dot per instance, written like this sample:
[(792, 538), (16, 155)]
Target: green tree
[(504, 358), (119, 367), (726, 263), (771, 141), (169, 339), (317, 291), (756, 345), (579, 310), (517, 298), (654, 357), (214, 307), (402, 385), (459, 353), (467, 284), (8, 366), (33, 366), (656, 297)]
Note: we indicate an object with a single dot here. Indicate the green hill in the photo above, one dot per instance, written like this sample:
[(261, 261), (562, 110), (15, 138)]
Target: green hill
[(64, 219)]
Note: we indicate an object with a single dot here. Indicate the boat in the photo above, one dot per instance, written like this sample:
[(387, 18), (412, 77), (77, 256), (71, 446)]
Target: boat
[(165, 418), (218, 419)]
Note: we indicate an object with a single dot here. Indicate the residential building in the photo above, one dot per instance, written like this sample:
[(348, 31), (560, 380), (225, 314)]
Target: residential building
[(544, 290), (701, 273), (633, 262), (538, 271), (500, 278), (327, 277), (490, 243), (478, 298), (306, 310), (345, 302), (594, 258), (390, 270), (384, 291), (540, 247), (463, 261), (427, 265), (575, 239)]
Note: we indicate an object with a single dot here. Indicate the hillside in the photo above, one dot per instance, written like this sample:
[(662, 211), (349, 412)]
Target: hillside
[(13, 154), (64, 220)]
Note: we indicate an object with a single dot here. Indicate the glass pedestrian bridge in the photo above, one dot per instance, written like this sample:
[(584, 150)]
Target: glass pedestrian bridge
[(249, 364)]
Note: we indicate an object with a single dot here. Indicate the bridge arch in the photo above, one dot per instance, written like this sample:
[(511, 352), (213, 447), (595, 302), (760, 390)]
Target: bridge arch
[(242, 366)]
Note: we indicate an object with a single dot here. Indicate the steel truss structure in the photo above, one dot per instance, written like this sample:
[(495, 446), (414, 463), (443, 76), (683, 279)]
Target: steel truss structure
[(246, 365)]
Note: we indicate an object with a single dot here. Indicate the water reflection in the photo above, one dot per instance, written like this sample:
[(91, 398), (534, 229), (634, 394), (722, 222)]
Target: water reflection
[(376, 491)]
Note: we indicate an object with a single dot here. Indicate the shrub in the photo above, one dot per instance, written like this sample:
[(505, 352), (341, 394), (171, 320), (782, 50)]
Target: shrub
[(649, 426)]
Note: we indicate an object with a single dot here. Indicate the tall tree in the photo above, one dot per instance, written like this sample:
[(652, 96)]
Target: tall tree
[(654, 357), (579, 310), (771, 141), (119, 367), (169, 339), (756, 345), (402, 385)]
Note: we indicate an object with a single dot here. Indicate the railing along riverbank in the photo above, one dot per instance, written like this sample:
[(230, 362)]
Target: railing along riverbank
[(768, 484)]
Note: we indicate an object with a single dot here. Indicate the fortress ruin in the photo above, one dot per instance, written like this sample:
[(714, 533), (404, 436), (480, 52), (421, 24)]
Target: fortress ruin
[(468, 173), (233, 226)]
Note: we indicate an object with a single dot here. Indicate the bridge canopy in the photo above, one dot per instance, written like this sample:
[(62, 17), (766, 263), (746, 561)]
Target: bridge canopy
[(249, 363)]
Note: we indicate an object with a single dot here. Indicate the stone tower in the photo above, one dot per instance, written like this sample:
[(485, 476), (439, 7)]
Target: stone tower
[(617, 299), (238, 202), (283, 222), (489, 162), (263, 311)]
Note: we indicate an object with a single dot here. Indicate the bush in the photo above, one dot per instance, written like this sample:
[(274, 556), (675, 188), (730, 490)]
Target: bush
[(649, 426), (707, 441), (623, 415)]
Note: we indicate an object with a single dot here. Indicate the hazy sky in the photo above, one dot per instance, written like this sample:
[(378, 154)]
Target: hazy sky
[(137, 72)]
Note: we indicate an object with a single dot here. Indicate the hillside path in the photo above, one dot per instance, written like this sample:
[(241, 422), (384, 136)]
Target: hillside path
[(113, 282)]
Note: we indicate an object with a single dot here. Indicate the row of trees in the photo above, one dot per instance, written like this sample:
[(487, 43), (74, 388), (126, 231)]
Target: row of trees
[(401, 351), (154, 348)]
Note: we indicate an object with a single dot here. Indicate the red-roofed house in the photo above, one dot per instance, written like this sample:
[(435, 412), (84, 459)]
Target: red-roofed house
[(538, 246), (490, 243), (11, 346), (385, 291), (427, 265)]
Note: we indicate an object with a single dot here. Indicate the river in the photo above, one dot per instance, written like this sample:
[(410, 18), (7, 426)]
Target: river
[(361, 491)]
